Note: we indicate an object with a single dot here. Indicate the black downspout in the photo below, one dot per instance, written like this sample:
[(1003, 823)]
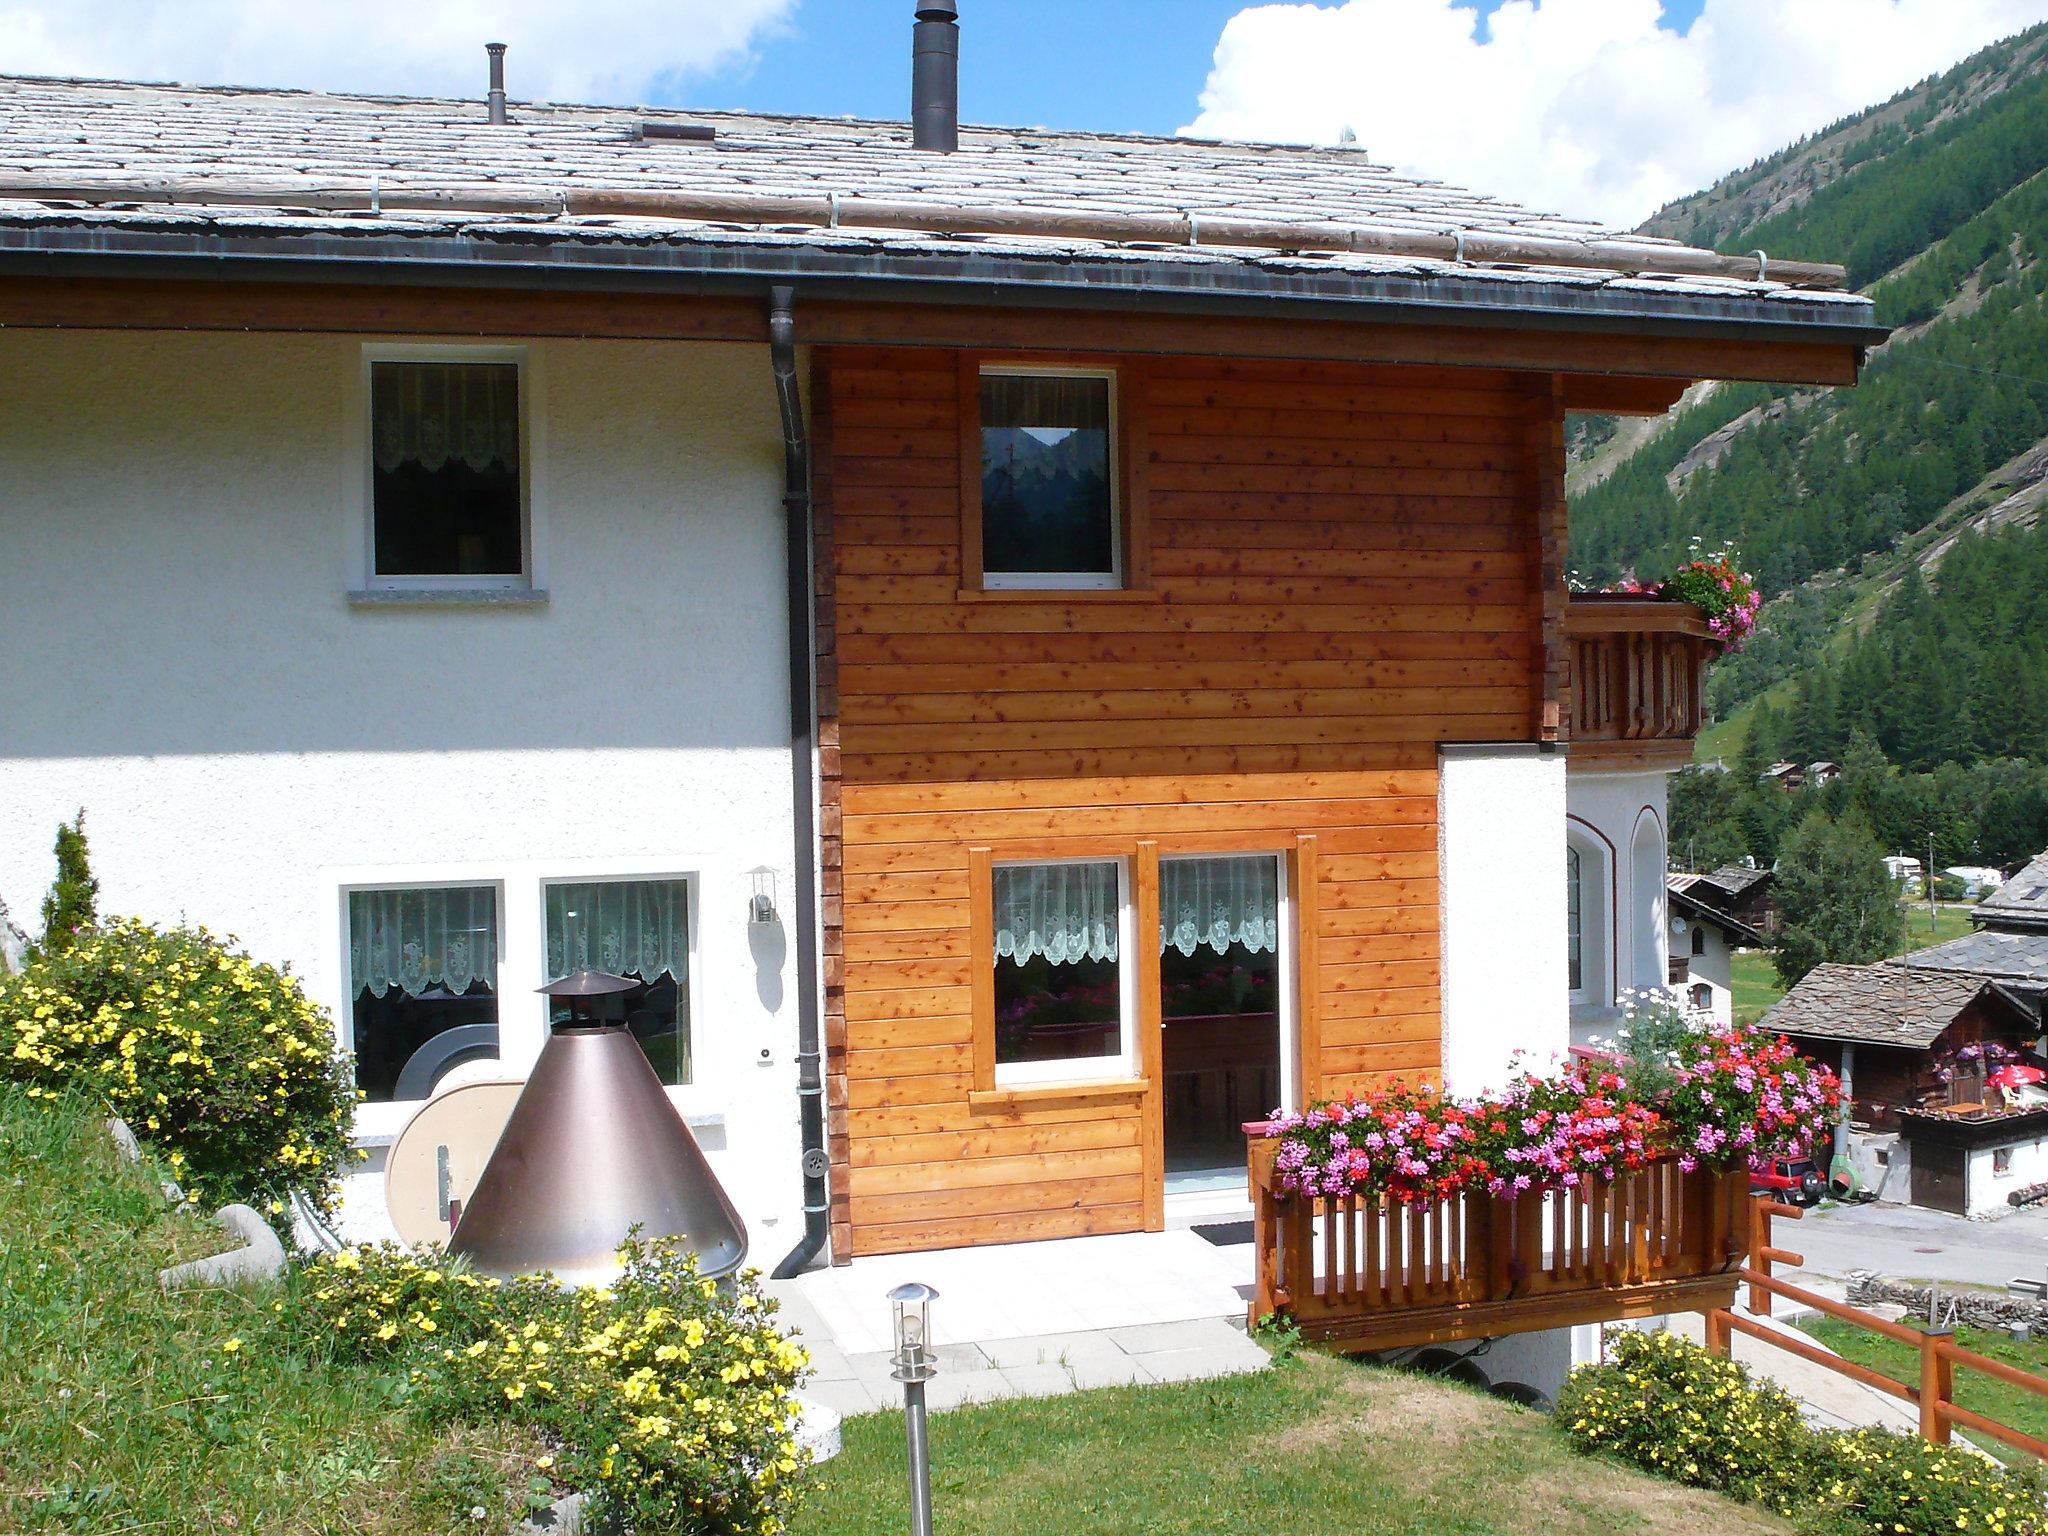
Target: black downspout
[(796, 506)]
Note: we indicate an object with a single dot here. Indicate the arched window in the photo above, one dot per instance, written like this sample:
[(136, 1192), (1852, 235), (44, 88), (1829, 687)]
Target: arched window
[(1574, 920), (1645, 941)]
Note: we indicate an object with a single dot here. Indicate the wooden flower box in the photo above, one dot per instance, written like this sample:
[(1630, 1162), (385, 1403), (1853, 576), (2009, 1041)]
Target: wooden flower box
[(1361, 1277)]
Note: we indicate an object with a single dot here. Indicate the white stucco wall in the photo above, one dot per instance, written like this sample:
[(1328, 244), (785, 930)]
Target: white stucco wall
[(181, 518), (1987, 1189), (1712, 968), (1617, 821), (1503, 883)]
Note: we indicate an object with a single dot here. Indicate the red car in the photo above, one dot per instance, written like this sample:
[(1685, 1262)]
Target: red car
[(1794, 1180)]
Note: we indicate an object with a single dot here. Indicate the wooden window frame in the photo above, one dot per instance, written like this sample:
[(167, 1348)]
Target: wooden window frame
[(1132, 579)]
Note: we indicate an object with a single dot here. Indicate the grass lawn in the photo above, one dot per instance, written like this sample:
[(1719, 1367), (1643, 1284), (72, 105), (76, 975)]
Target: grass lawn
[(122, 1409), (1318, 1445), (1951, 921), (1974, 1390), (1754, 980)]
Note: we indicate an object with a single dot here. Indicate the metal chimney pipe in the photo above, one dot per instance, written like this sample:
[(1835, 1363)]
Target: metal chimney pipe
[(935, 77), (497, 96)]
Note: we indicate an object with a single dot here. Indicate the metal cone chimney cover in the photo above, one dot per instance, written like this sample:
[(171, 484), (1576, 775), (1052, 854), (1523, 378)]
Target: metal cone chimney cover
[(593, 1148)]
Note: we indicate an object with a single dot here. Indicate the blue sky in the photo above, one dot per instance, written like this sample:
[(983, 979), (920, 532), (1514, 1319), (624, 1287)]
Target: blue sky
[(1107, 65)]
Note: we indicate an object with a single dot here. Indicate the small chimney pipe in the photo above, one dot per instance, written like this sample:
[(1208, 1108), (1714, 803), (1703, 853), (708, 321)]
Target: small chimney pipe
[(935, 77), (497, 97)]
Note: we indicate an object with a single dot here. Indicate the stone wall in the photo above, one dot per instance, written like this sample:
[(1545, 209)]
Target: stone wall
[(1977, 1309)]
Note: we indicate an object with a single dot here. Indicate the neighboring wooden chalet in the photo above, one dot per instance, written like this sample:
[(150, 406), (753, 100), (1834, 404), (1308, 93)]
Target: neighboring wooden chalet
[(1050, 643), (1904, 1038)]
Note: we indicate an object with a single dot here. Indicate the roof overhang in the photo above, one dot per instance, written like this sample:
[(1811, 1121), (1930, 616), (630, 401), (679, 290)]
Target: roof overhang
[(1636, 336)]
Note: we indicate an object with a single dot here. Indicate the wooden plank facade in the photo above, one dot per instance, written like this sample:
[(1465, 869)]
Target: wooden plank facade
[(1330, 569)]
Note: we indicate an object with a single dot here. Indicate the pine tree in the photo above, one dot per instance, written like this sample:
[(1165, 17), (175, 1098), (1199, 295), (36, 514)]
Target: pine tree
[(73, 903), (1836, 900)]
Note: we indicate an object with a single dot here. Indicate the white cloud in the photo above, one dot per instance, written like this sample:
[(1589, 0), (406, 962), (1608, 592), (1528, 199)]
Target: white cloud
[(1583, 107), (616, 51)]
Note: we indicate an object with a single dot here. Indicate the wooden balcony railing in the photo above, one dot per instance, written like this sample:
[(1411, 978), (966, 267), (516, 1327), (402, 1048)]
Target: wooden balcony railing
[(1637, 666), (1360, 1277)]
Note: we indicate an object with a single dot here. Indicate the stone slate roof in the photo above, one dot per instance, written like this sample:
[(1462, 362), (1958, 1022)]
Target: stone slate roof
[(2022, 902), (1736, 878), (1988, 954), (1874, 1004), (254, 165)]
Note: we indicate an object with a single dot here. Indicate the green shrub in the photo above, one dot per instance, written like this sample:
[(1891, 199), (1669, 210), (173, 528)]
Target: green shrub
[(1669, 1407), (1885, 1482), (671, 1397), (1672, 1408), (72, 906), (217, 1061)]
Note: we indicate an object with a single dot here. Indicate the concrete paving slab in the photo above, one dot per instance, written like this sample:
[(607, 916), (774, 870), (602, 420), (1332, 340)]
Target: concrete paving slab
[(1150, 1338), (1051, 1349), (846, 1397), (1198, 1364)]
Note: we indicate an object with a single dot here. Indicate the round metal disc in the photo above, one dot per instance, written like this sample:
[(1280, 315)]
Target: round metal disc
[(457, 1128)]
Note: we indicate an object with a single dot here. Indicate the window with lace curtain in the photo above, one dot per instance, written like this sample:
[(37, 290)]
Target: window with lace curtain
[(448, 503), (423, 986)]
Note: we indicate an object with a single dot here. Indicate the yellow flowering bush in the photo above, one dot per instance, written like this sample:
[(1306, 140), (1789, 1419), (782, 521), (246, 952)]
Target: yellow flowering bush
[(220, 1063), (671, 1398), (1669, 1407), (1672, 1408)]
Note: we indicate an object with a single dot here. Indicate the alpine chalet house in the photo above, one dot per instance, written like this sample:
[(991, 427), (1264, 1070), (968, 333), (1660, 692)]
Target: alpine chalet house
[(1031, 647)]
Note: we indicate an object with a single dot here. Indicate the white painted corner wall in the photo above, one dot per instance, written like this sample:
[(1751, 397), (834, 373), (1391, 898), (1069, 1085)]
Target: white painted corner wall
[(1502, 872), (181, 520)]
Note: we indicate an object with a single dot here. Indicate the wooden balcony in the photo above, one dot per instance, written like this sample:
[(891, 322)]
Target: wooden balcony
[(1360, 1277), (1637, 666)]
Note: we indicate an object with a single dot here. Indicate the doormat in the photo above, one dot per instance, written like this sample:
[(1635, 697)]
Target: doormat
[(1224, 1234)]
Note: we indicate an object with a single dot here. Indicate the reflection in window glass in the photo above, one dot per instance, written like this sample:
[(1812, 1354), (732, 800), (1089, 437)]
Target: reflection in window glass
[(423, 982), (1059, 983), (1574, 892), (639, 929), (1047, 508), (444, 476)]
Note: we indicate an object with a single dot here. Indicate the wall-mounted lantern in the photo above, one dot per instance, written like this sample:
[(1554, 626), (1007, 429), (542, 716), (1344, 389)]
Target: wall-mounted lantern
[(761, 904)]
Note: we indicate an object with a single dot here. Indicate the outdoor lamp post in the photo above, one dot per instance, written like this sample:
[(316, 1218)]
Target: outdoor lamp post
[(914, 1365)]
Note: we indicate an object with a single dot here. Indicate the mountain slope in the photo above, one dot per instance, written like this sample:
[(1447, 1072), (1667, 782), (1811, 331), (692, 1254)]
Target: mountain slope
[(1938, 200)]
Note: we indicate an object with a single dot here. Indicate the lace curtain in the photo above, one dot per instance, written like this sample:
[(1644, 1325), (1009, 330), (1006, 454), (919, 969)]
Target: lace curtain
[(1069, 911), (1219, 902), (429, 413), (627, 927), (420, 939), (1064, 912)]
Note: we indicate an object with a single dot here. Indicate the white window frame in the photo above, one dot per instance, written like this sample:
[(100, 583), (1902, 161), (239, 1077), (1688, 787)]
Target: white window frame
[(1084, 1069), (611, 874), (1064, 581), (380, 1122), (532, 575)]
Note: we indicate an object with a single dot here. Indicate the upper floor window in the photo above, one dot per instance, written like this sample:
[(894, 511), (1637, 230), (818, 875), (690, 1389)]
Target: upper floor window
[(448, 498), (1049, 512)]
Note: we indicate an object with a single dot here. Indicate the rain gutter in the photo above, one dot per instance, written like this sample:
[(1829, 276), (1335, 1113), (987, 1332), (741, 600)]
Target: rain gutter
[(1269, 286)]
